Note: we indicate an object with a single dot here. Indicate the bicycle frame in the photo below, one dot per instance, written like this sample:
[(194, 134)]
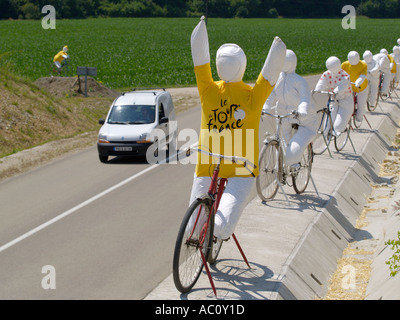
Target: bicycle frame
[(328, 110), (59, 71), (330, 99), (392, 87), (278, 136), (214, 193), (282, 144), (355, 111)]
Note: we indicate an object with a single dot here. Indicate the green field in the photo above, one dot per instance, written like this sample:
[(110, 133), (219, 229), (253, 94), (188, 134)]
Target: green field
[(152, 52)]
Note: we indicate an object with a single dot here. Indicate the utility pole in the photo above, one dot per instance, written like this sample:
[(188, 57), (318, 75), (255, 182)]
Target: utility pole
[(206, 13)]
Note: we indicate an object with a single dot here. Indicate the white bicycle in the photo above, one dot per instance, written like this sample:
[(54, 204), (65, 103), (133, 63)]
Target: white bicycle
[(273, 171)]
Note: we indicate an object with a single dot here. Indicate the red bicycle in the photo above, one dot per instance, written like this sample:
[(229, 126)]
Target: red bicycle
[(195, 244)]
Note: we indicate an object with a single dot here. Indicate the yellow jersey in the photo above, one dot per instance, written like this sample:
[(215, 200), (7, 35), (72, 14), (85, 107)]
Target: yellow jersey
[(59, 56), (355, 72), (230, 119), (394, 69)]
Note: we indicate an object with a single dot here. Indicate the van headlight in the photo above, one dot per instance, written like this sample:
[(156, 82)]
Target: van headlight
[(142, 139), (103, 138)]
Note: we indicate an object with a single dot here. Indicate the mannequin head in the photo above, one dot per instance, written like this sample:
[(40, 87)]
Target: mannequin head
[(353, 57), (231, 62), (333, 64), (384, 51), (290, 62), (367, 56)]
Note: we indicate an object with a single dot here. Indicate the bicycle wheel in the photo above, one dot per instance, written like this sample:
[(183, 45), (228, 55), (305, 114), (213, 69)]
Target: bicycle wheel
[(357, 123), (383, 97), (65, 71), (270, 165), (372, 107), (391, 86), (341, 140), (301, 177), (215, 249), (53, 70), (324, 133), (194, 235)]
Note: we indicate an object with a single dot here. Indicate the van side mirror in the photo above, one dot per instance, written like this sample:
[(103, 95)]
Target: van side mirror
[(164, 120), (101, 121)]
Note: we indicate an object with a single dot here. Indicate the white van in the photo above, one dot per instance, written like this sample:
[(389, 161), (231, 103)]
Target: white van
[(131, 121)]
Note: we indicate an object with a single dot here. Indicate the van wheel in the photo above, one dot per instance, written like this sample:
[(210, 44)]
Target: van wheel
[(103, 158)]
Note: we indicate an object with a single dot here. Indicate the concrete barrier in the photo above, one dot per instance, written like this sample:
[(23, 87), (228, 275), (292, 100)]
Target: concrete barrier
[(311, 265)]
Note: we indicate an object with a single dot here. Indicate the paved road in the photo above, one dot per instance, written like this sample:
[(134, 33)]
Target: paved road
[(108, 229), (116, 245)]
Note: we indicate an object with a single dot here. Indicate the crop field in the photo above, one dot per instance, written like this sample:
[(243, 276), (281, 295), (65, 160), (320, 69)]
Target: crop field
[(155, 52)]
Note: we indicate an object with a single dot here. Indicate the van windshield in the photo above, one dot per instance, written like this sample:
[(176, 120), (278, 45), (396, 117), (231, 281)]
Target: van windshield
[(132, 114)]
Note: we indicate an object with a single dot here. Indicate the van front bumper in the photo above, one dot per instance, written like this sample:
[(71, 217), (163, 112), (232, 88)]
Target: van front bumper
[(122, 149)]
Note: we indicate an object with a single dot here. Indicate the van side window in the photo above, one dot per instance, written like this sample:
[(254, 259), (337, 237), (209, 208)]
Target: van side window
[(161, 113)]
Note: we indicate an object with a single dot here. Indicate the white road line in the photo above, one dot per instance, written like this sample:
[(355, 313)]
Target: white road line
[(83, 204)]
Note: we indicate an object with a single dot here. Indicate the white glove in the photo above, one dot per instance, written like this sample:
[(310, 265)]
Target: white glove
[(266, 108), (359, 81), (336, 91), (199, 44), (274, 63), (302, 109)]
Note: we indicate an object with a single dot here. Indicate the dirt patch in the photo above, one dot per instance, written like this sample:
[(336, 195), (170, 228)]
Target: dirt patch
[(74, 86), (185, 98)]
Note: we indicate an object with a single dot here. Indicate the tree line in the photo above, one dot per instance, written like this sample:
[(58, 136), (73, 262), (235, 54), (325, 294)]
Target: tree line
[(79, 9)]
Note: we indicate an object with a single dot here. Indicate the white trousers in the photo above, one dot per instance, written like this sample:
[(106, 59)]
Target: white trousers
[(232, 204), (373, 85), (361, 103), (341, 113), (297, 141), (387, 76)]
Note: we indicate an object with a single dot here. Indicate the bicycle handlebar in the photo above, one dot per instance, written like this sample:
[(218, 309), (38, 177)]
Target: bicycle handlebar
[(324, 92), (235, 159), (293, 114)]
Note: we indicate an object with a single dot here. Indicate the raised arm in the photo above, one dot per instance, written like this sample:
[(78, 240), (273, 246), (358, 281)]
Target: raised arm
[(274, 63), (272, 68), (199, 44)]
